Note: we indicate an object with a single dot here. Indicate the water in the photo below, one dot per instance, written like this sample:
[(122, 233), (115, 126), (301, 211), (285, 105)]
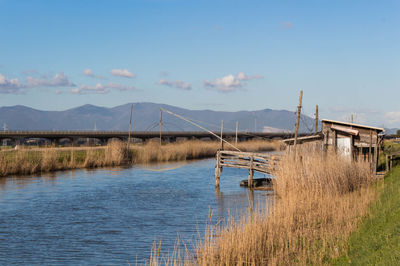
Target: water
[(113, 216)]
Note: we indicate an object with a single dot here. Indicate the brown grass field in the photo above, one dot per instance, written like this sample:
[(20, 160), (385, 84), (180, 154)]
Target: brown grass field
[(318, 202), (38, 160)]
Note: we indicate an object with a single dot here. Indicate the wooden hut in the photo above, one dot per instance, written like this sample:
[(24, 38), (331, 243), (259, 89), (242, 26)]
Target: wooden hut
[(353, 141)]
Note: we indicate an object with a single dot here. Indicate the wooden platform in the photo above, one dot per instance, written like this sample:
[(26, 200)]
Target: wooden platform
[(263, 163)]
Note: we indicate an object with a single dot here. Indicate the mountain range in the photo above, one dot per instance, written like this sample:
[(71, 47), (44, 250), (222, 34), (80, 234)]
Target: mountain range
[(146, 117)]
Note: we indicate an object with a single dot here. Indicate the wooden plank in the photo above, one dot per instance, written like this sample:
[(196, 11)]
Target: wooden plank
[(246, 154)]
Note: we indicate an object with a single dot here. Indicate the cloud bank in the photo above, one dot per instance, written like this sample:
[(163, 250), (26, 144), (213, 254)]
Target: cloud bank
[(179, 84), (230, 83), (101, 89), (60, 80), (10, 86), (122, 73)]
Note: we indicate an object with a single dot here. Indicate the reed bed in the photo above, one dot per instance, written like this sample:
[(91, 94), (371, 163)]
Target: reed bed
[(319, 200), (188, 150), (29, 161)]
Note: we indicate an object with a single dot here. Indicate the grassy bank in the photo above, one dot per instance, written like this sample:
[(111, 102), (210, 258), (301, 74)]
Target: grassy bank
[(319, 201), (30, 161), (377, 241)]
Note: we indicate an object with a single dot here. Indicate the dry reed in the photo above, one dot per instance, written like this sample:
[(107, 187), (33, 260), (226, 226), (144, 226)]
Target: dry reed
[(318, 202), (30, 161)]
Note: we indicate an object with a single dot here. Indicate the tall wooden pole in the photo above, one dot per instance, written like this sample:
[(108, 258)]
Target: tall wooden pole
[(130, 126), (297, 123), (160, 126), (316, 118), (222, 129), (236, 134)]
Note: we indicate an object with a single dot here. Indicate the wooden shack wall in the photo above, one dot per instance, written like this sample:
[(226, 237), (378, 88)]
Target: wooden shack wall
[(365, 146)]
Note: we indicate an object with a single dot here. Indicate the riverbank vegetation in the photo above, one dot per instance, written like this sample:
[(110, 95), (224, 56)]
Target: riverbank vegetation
[(377, 241), (37, 160), (319, 201)]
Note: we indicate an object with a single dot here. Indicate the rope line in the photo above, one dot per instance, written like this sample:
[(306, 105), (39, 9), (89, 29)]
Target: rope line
[(199, 126)]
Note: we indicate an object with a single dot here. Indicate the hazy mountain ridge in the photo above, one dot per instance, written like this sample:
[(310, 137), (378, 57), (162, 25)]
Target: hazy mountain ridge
[(146, 117)]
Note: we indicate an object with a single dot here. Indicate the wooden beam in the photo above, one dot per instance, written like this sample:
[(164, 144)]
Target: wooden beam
[(297, 124)]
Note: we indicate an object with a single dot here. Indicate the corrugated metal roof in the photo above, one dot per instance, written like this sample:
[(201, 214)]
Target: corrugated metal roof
[(352, 124)]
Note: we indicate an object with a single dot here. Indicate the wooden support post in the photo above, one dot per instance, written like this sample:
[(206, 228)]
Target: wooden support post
[(352, 148), (222, 129), (236, 138), (297, 124), (218, 169), (376, 155), (251, 172), (391, 162), (335, 141), (316, 118), (370, 147), (387, 163)]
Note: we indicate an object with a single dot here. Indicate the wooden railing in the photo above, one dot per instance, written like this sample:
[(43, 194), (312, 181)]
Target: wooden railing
[(264, 163), (390, 158)]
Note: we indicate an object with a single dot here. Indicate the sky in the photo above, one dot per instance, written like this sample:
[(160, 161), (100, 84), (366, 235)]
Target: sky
[(219, 55)]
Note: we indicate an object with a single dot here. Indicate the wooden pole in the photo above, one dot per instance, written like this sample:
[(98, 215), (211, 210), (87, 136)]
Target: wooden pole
[(251, 172), (236, 134), (218, 170), (387, 163), (316, 118), (370, 147), (376, 155), (130, 126), (160, 126), (335, 140), (297, 123), (222, 129)]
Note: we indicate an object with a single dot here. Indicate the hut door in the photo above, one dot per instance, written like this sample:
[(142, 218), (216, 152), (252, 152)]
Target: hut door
[(344, 146)]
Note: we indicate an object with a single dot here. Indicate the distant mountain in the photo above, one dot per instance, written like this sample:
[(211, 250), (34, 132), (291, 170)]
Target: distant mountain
[(391, 131), (146, 117)]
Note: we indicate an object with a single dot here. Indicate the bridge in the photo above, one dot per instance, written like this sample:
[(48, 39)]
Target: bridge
[(19, 137)]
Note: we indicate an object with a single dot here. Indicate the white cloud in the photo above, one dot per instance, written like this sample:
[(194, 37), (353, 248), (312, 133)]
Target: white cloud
[(101, 89), (242, 76), (122, 73), (179, 84), (88, 72), (230, 83), (10, 86), (60, 80)]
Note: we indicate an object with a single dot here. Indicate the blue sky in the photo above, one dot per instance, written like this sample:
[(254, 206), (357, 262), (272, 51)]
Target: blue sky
[(221, 55)]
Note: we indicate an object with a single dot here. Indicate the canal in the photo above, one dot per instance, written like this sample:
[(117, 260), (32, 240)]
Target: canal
[(113, 216)]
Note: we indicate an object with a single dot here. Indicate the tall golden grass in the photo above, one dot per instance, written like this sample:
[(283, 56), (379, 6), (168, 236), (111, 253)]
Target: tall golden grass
[(116, 153), (318, 202)]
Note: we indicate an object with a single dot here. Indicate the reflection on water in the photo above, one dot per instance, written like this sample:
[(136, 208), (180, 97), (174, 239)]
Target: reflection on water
[(111, 216)]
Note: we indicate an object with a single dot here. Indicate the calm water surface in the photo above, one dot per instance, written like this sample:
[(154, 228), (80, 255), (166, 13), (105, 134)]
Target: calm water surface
[(112, 216)]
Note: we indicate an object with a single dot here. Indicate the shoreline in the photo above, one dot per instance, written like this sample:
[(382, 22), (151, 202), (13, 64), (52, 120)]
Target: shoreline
[(25, 162)]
